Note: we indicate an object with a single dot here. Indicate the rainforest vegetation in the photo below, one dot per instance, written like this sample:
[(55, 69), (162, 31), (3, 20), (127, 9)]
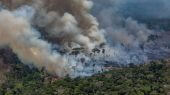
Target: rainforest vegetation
[(144, 79)]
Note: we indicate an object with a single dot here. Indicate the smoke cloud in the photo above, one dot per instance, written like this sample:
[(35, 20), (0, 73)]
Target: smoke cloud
[(126, 24), (121, 30), (26, 43), (65, 23)]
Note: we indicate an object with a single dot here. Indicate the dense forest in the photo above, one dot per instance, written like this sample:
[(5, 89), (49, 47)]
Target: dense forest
[(144, 79)]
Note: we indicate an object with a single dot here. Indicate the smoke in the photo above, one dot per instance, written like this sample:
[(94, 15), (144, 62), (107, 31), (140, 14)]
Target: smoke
[(125, 33), (64, 21), (30, 26), (26, 43), (120, 30), (147, 9), (126, 36)]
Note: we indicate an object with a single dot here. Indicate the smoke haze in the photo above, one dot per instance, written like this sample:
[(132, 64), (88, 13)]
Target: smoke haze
[(17, 34), (63, 22), (126, 24), (137, 9)]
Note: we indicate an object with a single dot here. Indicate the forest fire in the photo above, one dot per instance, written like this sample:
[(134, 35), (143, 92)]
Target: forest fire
[(65, 38)]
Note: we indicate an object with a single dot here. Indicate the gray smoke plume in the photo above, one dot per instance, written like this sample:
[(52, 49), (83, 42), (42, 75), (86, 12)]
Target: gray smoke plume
[(119, 29), (124, 34), (26, 43), (65, 23)]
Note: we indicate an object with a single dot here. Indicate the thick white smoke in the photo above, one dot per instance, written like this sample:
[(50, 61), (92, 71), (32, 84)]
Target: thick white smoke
[(66, 23), (26, 43)]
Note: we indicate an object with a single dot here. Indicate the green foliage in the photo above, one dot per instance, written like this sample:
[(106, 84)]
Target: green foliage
[(145, 79)]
